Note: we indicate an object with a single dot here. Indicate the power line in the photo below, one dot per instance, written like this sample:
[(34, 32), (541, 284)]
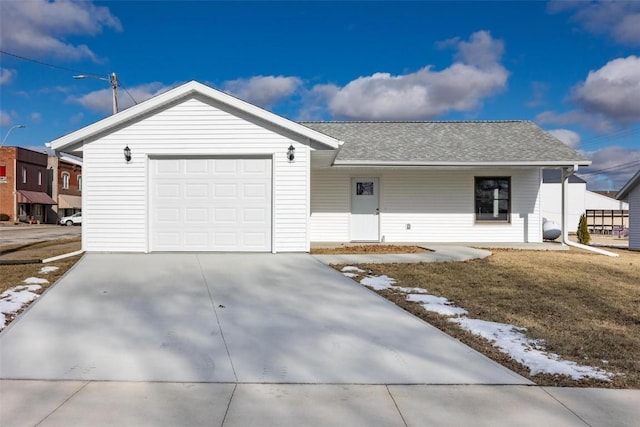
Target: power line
[(35, 61), (72, 70), (613, 168), (130, 96)]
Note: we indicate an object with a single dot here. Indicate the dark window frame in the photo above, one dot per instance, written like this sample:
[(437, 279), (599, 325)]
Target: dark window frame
[(504, 216)]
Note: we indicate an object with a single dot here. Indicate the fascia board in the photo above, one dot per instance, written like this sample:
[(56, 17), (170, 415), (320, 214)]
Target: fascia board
[(626, 189)]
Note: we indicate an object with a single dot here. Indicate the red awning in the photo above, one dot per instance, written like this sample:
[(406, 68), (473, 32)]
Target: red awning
[(35, 197)]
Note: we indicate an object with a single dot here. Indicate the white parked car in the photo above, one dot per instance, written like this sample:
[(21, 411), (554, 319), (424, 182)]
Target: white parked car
[(75, 219)]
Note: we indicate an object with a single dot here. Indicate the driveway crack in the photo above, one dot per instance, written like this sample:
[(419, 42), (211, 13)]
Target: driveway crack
[(215, 312)]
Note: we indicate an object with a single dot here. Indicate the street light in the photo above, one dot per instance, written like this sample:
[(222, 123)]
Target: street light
[(9, 131), (112, 78)]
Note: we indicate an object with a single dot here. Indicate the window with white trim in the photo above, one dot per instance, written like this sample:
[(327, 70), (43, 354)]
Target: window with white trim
[(492, 198), (65, 181), (79, 182), (24, 175), (39, 177)]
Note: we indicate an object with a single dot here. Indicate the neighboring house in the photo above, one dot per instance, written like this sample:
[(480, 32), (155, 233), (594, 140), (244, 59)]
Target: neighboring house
[(603, 213), (195, 169), (65, 185), (631, 191), (23, 185)]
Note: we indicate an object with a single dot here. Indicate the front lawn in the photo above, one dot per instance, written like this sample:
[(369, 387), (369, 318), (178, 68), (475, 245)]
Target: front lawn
[(584, 307), (19, 282)]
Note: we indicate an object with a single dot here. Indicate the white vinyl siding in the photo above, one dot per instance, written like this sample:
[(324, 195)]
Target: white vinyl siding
[(634, 218), (115, 196), (330, 205), (437, 206)]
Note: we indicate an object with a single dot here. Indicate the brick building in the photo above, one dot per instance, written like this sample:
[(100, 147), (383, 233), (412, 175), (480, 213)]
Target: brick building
[(65, 185), (23, 185)]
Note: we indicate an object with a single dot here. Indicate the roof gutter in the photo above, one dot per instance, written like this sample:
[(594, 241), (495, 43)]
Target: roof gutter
[(566, 173)]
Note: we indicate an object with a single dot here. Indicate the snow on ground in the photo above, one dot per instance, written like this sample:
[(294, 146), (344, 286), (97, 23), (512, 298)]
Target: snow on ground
[(436, 304), (48, 269), (13, 299), (383, 282), (353, 268), (378, 283), (35, 281), (509, 339)]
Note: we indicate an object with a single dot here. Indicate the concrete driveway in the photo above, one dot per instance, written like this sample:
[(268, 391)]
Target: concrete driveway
[(230, 318)]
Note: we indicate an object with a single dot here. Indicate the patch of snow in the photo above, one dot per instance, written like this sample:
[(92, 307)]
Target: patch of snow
[(48, 269), (438, 305), (511, 340), (35, 281), (352, 275), (378, 283), (353, 268), (13, 299), (507, 338)]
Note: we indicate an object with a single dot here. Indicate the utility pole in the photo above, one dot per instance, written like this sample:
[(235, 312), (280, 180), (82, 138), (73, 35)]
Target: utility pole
[(112, 79)]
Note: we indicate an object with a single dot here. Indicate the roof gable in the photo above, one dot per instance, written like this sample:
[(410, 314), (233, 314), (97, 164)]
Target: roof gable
[(448, 143), (629, 186), (188, 90)]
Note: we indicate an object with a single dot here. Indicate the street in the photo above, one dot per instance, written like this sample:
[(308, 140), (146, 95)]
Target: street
[(21, 234)]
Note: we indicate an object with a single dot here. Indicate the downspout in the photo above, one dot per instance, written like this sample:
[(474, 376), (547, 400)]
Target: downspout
[(566, 173)]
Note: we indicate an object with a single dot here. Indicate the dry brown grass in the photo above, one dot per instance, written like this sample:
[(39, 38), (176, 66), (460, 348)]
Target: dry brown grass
[(14, 275), (368, 249), (586, 307)]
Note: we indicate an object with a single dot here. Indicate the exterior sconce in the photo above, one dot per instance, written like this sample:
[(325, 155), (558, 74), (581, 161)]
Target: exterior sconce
[(127, 154), (291, 153)]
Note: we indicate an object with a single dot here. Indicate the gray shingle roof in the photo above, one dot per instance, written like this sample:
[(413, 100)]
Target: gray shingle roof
[(517, 142)]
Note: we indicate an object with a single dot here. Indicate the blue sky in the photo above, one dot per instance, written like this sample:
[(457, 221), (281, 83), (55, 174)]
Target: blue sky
[(572, 67)]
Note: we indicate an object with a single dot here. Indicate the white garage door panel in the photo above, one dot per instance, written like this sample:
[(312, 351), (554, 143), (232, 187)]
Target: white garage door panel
[(210, 204)]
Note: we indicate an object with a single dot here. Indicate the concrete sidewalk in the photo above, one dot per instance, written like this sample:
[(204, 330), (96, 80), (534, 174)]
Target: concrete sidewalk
[(439, 253), (78, 403)]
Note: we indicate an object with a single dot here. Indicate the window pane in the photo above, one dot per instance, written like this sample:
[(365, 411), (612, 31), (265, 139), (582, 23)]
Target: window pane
[(492, 199)]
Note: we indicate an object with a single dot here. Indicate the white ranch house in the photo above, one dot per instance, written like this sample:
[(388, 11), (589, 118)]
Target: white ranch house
[(209, 172)]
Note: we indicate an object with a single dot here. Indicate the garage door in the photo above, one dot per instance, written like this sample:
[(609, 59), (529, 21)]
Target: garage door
[(212, 204)]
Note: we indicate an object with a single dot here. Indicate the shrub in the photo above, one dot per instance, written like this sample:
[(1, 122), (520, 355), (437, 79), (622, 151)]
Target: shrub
[(583, 230), (4, 217)]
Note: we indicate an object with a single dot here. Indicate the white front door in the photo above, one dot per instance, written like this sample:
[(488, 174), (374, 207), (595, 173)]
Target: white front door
[(364, 209)]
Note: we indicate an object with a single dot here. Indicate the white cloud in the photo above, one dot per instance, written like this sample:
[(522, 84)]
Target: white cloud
[(427, 93), (613, 90), (102, 100), (262, 90), (36, 117), (584, 119), (40, 27), (621, 20), (6, 76), (5, 119), (618, 164), (569, 137)]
